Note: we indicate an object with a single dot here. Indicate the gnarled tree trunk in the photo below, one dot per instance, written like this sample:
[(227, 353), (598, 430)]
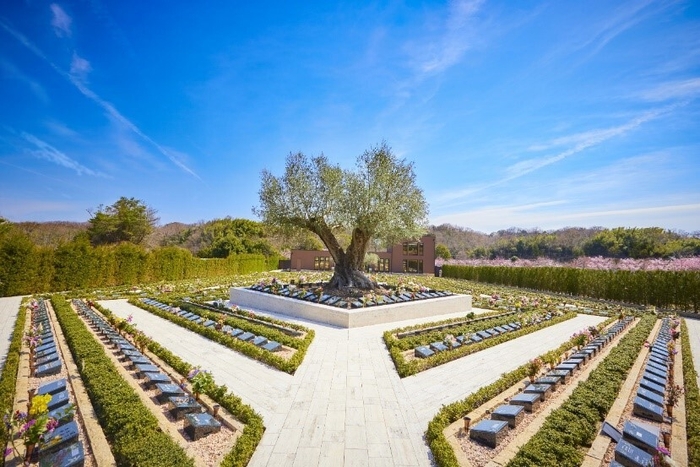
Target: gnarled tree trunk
[(348, 264)]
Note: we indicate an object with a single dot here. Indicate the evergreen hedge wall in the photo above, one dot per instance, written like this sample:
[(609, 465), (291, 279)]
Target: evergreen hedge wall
[(28, 269), (666, 289)]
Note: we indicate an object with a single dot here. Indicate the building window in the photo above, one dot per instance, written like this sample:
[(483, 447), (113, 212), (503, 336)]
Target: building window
[(383, 265), (322, 263), (413, 248), (413, 265)]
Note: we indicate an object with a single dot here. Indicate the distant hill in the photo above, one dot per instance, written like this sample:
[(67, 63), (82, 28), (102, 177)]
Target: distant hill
[(51, 233), (463, 243)]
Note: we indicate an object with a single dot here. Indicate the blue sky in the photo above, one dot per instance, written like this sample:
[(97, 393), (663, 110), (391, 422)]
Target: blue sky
[(527, 114)]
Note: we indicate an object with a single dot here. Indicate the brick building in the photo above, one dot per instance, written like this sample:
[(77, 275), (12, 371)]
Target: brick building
[(416, 257)]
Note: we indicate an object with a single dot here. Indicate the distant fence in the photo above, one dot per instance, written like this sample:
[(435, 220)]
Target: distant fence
[(678, 290)]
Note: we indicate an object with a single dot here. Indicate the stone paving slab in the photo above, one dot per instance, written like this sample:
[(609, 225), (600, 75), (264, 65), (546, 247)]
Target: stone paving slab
[(9, 307), (346, 404)]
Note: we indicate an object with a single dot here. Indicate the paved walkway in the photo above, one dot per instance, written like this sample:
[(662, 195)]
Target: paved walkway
[(346, 405), (9, 307), (694, 341)]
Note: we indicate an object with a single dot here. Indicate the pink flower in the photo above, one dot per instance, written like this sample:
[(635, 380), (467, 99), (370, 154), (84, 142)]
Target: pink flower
[(51, 425), (663, 450), (8, 451)]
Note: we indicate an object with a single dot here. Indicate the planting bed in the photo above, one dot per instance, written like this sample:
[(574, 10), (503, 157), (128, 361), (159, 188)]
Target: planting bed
[(281, 345)]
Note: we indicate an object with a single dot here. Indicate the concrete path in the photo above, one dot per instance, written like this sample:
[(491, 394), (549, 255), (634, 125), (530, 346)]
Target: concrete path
[(9, 307), (694, 340), (346, 405)]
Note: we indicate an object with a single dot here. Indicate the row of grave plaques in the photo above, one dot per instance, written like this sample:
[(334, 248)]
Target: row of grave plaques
[(637, 444), (258, 341), (60, 447), (492, 432), (298, 293), (425, 351), (197, 422), (46, 360)]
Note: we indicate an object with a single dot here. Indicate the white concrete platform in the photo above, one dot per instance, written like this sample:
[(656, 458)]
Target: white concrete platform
[(353, 317)]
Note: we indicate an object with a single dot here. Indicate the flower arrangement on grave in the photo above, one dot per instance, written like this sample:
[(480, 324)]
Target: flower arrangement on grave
[(580, 338), (551, 358), (674, 395), (30, 426), (202, 381), (533, 368), (31, 337), (662, 457), (141, 340)]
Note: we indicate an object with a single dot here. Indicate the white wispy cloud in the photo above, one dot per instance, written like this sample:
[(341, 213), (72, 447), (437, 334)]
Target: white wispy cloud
[(683, 89), (448, 48), (61, 21), (9, 70), (588, 41), (578, 142), (87, 92), (79, 67), (44, 150)]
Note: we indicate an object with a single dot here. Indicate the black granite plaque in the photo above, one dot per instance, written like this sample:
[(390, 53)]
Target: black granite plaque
[(71, 456), (52, 388), (631, 456), (640, 437), (646, 409)]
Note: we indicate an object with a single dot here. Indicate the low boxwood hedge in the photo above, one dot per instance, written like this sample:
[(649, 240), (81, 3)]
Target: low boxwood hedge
[(130, 427), (574, 425), (411, 367), (443, 454), (246, 348), (246, 444), (692, 399)]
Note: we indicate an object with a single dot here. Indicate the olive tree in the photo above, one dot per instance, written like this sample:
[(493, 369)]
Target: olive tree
[(379, 199)]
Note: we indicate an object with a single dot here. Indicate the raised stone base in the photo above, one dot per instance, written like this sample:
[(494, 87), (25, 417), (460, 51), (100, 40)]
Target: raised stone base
[(350, 318)]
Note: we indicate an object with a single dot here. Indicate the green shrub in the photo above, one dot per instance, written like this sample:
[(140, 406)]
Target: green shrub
[(442, 450), (246, 444), (246, 348), (405, 368), (692, 399), (574, 425), (132, 430), (665, 289)]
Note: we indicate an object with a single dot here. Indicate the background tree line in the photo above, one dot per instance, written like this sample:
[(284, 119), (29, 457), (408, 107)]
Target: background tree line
[(565, 244), (112, 249)]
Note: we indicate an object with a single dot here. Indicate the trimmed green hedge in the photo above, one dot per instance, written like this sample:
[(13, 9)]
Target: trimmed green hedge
[(246, 348), (442, 450), (252, 433), (574, 425), (692, 399), (411, 367), (665, 289), (130, 427), (8, 380), (26, 268)]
